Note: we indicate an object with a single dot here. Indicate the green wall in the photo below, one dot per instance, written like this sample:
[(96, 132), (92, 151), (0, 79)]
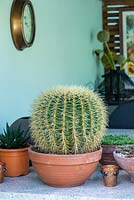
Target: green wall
[(61, 54)]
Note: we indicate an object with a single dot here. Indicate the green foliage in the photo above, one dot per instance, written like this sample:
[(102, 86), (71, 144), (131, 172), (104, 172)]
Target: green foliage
[(68, 120), (118, 139), (13, 138), (103, 36), (109, 59), (120, 59), (106, 60)]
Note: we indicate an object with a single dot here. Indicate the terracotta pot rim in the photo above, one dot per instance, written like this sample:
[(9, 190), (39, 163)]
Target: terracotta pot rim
[(109, 145), (109, 166), (14, 150), (75, 159), (64, 155), (118, 156)]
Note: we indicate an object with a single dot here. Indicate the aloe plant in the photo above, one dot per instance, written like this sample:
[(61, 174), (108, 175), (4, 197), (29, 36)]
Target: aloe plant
[(13, 138), (68, 120)]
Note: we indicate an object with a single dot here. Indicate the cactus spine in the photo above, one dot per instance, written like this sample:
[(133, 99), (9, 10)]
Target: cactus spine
[(68, 120)]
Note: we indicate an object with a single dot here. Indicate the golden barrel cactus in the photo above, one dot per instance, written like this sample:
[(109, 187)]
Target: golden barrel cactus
[(68, 120)]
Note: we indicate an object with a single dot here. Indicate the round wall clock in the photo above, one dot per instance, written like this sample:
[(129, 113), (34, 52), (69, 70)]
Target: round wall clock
[(22, 23)]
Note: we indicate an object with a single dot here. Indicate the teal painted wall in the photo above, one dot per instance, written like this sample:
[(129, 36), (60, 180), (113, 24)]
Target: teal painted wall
[(62, 53)]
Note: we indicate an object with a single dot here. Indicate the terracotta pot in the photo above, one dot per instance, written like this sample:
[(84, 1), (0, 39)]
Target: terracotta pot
[(2, 171), (107, 155), (125, 163), (16, 160), (64, 170), (110, 174)]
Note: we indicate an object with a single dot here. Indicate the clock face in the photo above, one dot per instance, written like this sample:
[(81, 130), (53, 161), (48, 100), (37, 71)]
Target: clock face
[(22, 23), (27, 23)]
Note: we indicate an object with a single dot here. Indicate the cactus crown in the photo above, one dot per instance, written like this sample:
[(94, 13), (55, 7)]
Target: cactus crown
[(68, 120)]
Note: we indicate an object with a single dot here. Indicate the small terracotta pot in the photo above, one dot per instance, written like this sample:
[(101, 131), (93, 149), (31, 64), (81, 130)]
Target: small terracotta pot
[(64, 170), (16, 160), (125, 163), (110, 173), (2, 171)]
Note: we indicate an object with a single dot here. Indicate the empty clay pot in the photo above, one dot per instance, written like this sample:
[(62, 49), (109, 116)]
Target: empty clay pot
[(110, 173)]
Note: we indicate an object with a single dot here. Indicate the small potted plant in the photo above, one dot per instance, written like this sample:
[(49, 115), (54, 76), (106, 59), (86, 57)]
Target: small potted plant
[(109, 58), (115, 76), (109, 144), (124, 155), (14, 151), (67, 126)]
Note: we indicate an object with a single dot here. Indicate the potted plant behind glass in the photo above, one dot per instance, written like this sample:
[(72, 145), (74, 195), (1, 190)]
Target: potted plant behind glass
[(109, 144), (115, 76), (67, 126), (14, 151)]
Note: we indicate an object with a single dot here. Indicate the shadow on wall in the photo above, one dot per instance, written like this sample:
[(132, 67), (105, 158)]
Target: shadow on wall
[(123, 116), (23, 122)]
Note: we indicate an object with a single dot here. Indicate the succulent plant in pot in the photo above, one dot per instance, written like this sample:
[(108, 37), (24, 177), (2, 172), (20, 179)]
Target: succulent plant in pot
[(14, 151), (109, 144), (67, 125), (124, 155)]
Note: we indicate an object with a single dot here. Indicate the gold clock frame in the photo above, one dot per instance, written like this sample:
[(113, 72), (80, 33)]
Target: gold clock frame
[(16, 26)]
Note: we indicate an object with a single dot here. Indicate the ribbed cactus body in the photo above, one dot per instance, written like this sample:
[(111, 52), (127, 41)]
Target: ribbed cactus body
[(68, 120)]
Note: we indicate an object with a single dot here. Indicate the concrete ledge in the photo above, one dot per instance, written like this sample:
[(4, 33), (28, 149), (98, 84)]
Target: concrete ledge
[(30, 187), (120, 131)]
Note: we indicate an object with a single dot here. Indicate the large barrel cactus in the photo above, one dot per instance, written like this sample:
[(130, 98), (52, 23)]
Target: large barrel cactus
[(68, 120)]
